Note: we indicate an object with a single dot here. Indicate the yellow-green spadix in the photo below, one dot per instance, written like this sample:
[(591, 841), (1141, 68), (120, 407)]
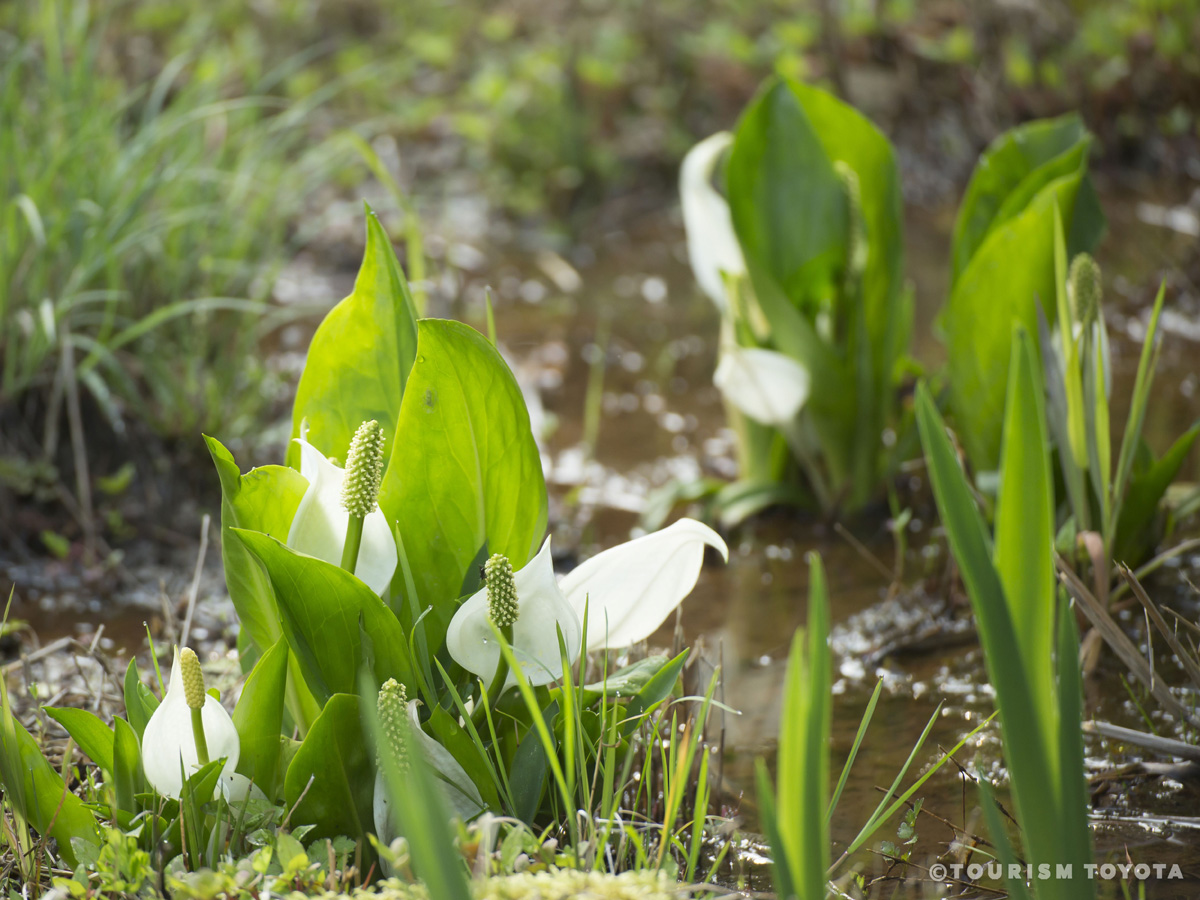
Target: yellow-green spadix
[(322, 521)]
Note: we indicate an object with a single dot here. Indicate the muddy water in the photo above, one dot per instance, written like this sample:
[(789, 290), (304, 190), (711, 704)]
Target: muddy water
[(619, 320), (661, 418)]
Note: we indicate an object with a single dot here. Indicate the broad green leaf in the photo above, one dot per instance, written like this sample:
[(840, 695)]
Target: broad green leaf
[(1001, 286), (1009, 161), (93, 736), (140, 703), (258, 718), (334, 772), (789, 207), (321, 607), (360, 357), (265, 500), (37, 792), (528, 776), (465, 471), (1024, 537), (849, 137), (127, 764)]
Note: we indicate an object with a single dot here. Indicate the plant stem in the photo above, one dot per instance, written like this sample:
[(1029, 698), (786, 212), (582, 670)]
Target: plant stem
[(198, 734), (353, 541)]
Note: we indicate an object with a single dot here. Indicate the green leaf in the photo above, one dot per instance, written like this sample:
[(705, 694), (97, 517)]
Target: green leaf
[(1012, 160), (849, 137), (360, 357), (1033, 757), (264, 499), (466, 471), (127, 765), (1001, 286), (623, 683), (37, 792), (338, 762), (804, 733), (1132, 438), (466, 752), (321, 606), (140, 703), (1137, 530), (655, 691), (528, 776), (258, 718), (92, 735), (788, 205), (1024, 537)]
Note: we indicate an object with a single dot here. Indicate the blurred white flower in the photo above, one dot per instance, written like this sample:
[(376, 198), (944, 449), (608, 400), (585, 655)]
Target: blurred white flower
[(713, 248), (767, 386)]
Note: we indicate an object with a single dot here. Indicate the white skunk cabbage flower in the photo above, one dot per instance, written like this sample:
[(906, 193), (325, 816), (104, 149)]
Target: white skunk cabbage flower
[(168, 745), (766, 385), (455, 785), (629, 590), (713, 248), (542, 611), (321, 521)]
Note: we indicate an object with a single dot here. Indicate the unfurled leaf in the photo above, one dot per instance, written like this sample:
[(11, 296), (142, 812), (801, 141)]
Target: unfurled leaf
[(331, 779), (321, 606), (465, 472), (258, 718), (359, 359)]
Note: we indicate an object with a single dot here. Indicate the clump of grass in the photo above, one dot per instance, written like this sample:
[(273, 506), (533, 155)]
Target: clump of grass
[(141, 225)]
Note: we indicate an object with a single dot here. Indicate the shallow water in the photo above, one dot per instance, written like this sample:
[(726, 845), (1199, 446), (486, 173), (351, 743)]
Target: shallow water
[(623, 309)]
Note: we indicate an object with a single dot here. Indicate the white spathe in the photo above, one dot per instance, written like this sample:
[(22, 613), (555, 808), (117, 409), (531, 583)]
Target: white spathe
[(543, 612), (629, 590), (168, 746), (321, 521), (766, 385), (455, 785), (713, 248)]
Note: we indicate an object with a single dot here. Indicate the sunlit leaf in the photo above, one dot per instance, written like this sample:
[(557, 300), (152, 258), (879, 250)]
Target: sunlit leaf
[(360, 357), (465, 471)]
